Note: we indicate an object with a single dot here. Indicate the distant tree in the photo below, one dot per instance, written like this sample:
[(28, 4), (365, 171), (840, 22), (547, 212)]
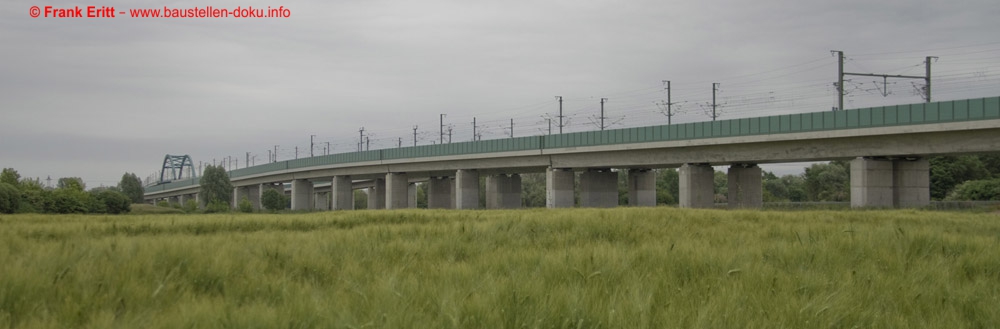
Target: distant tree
[(721, 187), (533, 190), (114, 202), (215, 186), (668, 186), (74, 183), (422, 196), (272, 200), (34, 197), (10, 198), (69, 201), (949, 171), (131, 186), (360, 199), (10, 176), (828, 181), (245, 205)]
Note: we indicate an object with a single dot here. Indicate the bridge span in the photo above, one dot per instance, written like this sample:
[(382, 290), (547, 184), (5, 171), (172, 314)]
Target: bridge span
[(888, 147)]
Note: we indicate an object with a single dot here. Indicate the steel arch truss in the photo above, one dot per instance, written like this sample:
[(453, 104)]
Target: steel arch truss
[(173, 168)]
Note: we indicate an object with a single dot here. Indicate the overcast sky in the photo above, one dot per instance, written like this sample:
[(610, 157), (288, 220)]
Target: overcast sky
[(96, 98)]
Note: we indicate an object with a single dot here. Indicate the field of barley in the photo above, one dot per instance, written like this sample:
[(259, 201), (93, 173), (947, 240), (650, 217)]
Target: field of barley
[(538, 268)]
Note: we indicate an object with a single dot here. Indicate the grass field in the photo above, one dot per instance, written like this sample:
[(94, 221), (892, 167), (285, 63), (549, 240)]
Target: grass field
[(574, 268)]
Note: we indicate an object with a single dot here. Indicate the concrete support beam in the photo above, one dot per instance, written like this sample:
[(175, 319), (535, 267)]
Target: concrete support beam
[(697, 186), (302, 194), (641, 188), (745, 186), (439, 193), (342, 197), (559, 185), (885, 183), (503, 192), (466, 189), (411, 196), (599, 188), (376, 194), (321, 201), (912, 183), (397, 194)]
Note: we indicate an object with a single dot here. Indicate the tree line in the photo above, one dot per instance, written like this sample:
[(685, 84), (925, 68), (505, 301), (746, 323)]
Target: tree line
[(70, 196)]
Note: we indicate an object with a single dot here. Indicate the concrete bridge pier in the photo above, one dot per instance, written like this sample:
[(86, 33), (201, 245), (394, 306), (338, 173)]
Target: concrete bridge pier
[(397, 191), (886, 183), (599, 188), (238, 193), (411, 196), (466, 189), (182, 198), (503, 192), (342, 193), (302, 194), (697, 186), (376, 194), (745, 187), (559, 185), (321, 201), (439, 194), (641, 188)]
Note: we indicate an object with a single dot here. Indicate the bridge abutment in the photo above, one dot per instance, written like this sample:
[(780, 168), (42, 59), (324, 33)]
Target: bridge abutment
[(599, 188), (397, 192), (439, 194), (466, 189), (302, 194), (744, 185), (641, 188), (342, 193), (886, 183), (697, 183), (559, 185)]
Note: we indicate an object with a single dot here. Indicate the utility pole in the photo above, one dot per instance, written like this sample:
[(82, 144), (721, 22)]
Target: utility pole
[(550, 125), (449, 135), (473, 129), (248, 159), (361, 138), (327, 148), (311, 146), (414, 135), (512, 128), (275, 153), (560, 115), (841, 74), (928, 77), (603, 100), (441, 132), (670, 113), (715, 87), (368, 143), (840, 79), (296, 152), (400, 142)]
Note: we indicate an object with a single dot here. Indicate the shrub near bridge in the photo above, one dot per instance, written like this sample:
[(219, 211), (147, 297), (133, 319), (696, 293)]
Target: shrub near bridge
[(573, 268)]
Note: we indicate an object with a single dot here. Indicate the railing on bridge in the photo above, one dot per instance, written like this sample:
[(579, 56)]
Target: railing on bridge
[(884, 116)]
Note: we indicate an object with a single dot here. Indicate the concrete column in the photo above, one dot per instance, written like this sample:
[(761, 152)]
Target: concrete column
[(342, 194), (503, 192), (253, 194), (599, 188), (376, 194), (321, 201), (451, 191), (745, 187), (411, 196), (559, 187), (397, 190), (239, 193), (466, 189), (871, 183), (697, 186), (911, 183), (181, 199), (641, 188), (439, 193), (199, 200), (302, 194)]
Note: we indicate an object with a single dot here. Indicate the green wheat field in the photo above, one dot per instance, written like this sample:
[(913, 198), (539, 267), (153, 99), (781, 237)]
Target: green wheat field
[(575, 268)]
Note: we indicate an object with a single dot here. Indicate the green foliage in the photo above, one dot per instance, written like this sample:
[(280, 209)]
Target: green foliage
[(533, 190), (567, 268), (273, 200), (217, 207), (10, 176), (721, 186), (215, 185), (190, 206), (977, 190), (131, 186), (74, 183), (828, 181), (10, 198), (667, 186), (164, 204), (114, 202), (245, 205), (69, 201), (784, 189), (949, 171), (360, 199)]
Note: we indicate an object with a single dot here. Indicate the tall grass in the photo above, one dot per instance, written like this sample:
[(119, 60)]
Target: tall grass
[(575, 268)]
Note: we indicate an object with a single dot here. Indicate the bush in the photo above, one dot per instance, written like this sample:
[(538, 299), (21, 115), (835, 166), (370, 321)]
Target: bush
[(115, 202), (10, 198), (68, 201), (273, 200), (245, 205), (190, 206), (163, 204), (217, 207), (977, 190)]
